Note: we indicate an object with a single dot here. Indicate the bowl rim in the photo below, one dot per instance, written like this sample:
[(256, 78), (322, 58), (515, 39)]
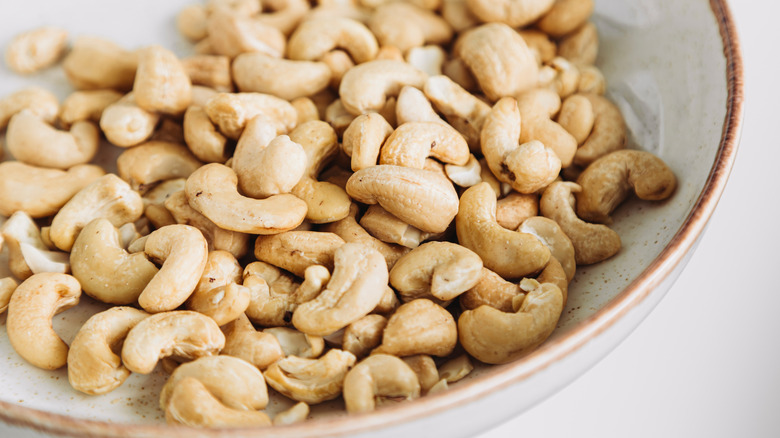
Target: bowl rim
[(502, 376)]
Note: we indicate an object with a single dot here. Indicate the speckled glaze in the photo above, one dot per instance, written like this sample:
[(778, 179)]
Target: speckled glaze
[(674, 69)]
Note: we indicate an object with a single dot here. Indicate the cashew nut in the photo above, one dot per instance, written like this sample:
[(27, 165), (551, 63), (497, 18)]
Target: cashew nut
[(317, 36), (232, 111), (86, 106), (244, 342), (551, 234), (405, 26), (414, 106), (231, 34), (297, 413), (161, 83), (295, 343), (267, 169), (95, 64), (388, 228), (155, 161), (295, 251), (425, 368), (218, 293), (126, 124), (536, 109), (281, 77), (411, 143), (364, 335), (7, 287), (364, 138), (42, 103), (376, 377), (191, 404), (191, 22), (491, 290), (366, 87), (576, 117), (515, 13), (419, 327), (608, 133), (581, 46), (286, 15), (514, 208), (212, 71), (35, 50), (31, 140), (27, 253), (202, 137), (462, 109), (311, 380)]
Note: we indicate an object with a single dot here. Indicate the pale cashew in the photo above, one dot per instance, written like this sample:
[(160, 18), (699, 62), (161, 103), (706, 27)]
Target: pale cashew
[(576, 117), (31, 140), (295, 251), (281, 77), (388, 228), (552, 273), (270, 169), (311, 380), (508, 253), (338, 117), (231, 35), (191, 404), (212, 71), (608, 134), (212, 190), (339, 62), (364, 138), (108, 197), (30, 311), (388, 304), (467, 175), (500, 60), (40, 102), (95, 64), (406, 26), (306, 108), (191, 22), (561, 76), (497, 337), (411, 143), (272, 298), (36, 50), (376, 377), (232, 111), (429, 202), (295, 343), (540, 43), (7, 287), (565, 16), (179, 333), (581, 46), (297, 413), (27, 253), (318, 36), (429, 59), (515, 13), (126, 124), (459, 72), (244, 342), (491, 290), (202, 137), (592, 242), (355, 288), (86, 106), (148, 164), (456, 369), (528, 167), (161, 83), (183, 252), (551, 234), (364, 335), (286, 15), (591, 80), (413, 106), (419, 327), (514, 208), (608, 181), (458, 15), (462, 109), (218, 294), (217, 238), (106, 271), (366, 87), (201, 95), (536, 110), (93, 367), (425, 368)]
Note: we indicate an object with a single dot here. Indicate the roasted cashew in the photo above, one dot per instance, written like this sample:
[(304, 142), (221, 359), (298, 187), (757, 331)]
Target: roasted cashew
[(367, 87), (232, 111), (581, 46), (125, 124), (86, 106), (376, 377), (212, 190), (491, 290), (414, 106), (456, 369), (42, 103), (514, 208), (364, 335), (295, 251), (212, 71), (551, 234), (106, 271), (150, 163), (93, 367), (406, 26), (219, 294), (108, 197), (355, 288), (363, 139), (508, 253), (497, 337), (515, 13), (591, 80), (95, 64), (180, 333), (269, 169), (576, 117), (191, 404), (425, 368), (311, 380), (244, 342), (592, 242), (202, 137), (467, 175), (388, 228), (30, 311), (419, 327), (283, 78), (297, 413), (161, 83), (608, 133), (462, 109), (317, 36), (231, 35), (411, 143), (536, 109), (31, 140)]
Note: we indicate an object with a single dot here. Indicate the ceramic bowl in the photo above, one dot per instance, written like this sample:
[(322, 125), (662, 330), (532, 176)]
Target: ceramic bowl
[(674, 69)]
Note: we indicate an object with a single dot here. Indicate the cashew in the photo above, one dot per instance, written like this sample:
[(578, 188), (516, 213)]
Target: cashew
[(86, 106), (376, 377), (93, 367), (105, 270), (561, 76), (214, 186), (232, 111), (388, 228), (425, 368), (183, 252), (161, 82), (31, 140), (508, 253), (191, 404), (591, 80), (576, 117), (243, 8), (272, 299), (191, 22), (295, 251), (283, 78), (126, 124), (592, 242), (364, 138), (297, 413), (145, 165), (180, 333), (513, 209), (311, 380), (551, 234), (429, 59), (317, 36), (458, 15), (286, 15), (581, 46), (201, 95), (338, 62), (202, 137), (406, 26), (491, 290), (212, 71), (40, 102), (95, 64), (462, 109), (355, 288), (231, 35), (265, 170), (307, 110), (456, 369), (608, 134), (411, 143), (7, 287), (413, 106), (338, 117), (467, 175), (500, 60), (419, 327), (244, 342), (218, 293), (536, 110), (608, 181), (108, 197), (364, 335), (565, 16), (388, 304), (30, 311), (366, 87), (36, 50), (540, 43), (430, 201), (27, 253), (515, 13)]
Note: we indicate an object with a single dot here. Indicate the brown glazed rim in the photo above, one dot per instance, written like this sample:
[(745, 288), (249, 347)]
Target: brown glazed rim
[(500, 377)]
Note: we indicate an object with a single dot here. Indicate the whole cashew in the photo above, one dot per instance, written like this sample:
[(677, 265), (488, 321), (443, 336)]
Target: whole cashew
[(150, 163), (95, 64), (508, 253), (608, 133), (191, 22), (269, 169), (42, 103), (406, 26), (230, 35), (592, 242), (389, 229), (376, 377), (311, 380), (7, 287), (364, 335), (86, 106), (27, 252), (244, 342), (491, 290), (536, 109), (497, 337), (581, 46), (36, 50), (30, 311), (515, 13), (297, 413), (411, 143), (514, 208), (212, 71), (161, 83), (414, 106), (317, 36), (202, 137), (366, 87), (467, 175), (179, 333), (576, 116), (283, 78), (125, 124), (218, 293), (191, 404), (419, 327), (232, 111), (295, 251), (551, 234), (363, 139), (31, 140), (565, 16), (93, 367)]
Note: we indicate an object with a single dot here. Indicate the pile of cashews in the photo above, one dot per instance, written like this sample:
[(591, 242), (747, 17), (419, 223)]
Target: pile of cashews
[(420, 179)]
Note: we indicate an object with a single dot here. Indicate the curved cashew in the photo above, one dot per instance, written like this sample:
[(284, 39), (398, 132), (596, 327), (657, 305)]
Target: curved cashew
[(155, 161), (286, 15), (108, 197), (536, 109), (161, 83), (86, 106), (297, 413), (608, 133), (497, 337), (514, 208), (565, 16), (126, 124), (230, 35), (202, 137), (406, 26), (295, 251), (540, 43), (106, 271), (232, 111), (30, 311), (425, 368), (355, 288), (491, 290), (389, 229), (311, 380), (31, 140), (467, 175), (42, 103), (436, 270), (317, 36), (456, 369), (191, 404), (212, 71), (180, 333), (218, 293), (419, 327), (581, 46), (551, 234), (191, 22), (212, 190), (411, 143), (592, 242), (515, 13), (364, 138), (269, 169), (462, 109), (364, 335), (93, 367), (376, 377), (414, 106), (429, 202), (508, 253), (244, 342), (576, 117), (95, 64), (283, 78), (27, 252), (7, 287), (366, 87)]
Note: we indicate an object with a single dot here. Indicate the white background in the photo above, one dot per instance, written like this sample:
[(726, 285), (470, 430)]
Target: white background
[(706, 362)]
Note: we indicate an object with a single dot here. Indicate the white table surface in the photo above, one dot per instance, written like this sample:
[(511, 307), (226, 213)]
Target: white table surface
[(706, 362)]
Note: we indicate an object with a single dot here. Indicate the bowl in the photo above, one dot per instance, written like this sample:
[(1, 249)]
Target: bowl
[(675, 71)]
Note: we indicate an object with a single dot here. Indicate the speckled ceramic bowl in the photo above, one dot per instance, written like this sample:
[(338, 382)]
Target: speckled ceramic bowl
[(674, 68)]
